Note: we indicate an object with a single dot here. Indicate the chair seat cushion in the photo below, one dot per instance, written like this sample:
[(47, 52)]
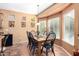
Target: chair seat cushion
[(47, 46)]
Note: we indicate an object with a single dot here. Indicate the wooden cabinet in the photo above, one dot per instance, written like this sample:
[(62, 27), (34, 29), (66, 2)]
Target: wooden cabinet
[(76, 53)]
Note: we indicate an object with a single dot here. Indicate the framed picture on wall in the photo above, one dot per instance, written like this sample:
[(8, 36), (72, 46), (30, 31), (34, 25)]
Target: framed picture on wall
[(23, 24), (23, 18), (33, 22), (11, 17), (11, 23)]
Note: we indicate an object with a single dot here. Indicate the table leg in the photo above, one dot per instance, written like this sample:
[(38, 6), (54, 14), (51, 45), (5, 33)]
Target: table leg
[(39, 48)]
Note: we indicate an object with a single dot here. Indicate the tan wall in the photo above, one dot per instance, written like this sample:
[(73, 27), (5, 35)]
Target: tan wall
[(19, 33), (77, 25)]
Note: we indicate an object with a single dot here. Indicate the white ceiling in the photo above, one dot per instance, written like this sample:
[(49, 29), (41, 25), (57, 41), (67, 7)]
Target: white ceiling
[(29, 6)]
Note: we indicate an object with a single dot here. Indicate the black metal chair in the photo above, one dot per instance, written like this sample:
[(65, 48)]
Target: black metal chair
[(28, 39), (49, 43), (33, 42)]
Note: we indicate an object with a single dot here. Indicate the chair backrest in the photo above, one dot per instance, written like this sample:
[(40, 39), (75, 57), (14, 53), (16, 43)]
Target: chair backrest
[(29, 39), (31, 35), (27, 35), (32, 39), (50, 38)]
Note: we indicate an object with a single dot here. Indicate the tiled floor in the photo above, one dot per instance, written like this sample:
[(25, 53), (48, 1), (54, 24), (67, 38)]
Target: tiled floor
[(22, 50)]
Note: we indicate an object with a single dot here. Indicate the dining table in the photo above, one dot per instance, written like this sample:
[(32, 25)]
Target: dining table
[(40, 41)]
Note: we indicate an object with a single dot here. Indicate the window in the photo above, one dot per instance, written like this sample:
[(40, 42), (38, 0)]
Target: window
[(69, 27), (42, 27), (53, 25)]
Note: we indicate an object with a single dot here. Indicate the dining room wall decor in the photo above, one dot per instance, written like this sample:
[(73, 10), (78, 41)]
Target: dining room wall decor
[(23, 22), (32, 22), (11, 23), (11, 19)]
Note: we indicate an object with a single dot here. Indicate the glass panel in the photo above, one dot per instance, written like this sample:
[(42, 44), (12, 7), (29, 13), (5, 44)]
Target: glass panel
[(11, 17), (53, 25), (69, 27), (42, 27)]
